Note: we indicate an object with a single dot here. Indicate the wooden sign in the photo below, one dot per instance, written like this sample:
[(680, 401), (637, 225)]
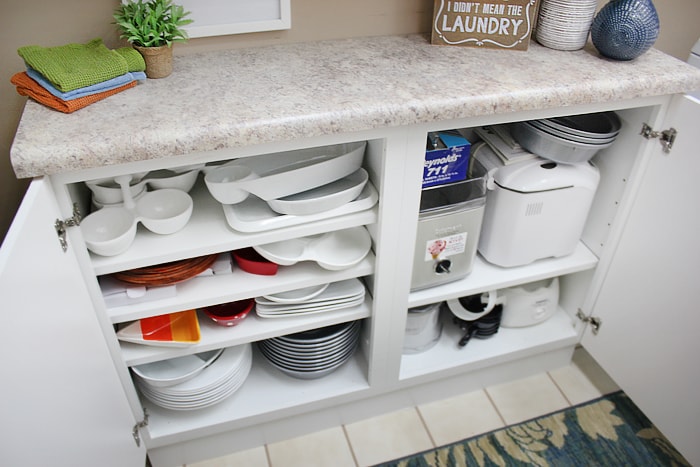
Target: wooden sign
[(499, 24)]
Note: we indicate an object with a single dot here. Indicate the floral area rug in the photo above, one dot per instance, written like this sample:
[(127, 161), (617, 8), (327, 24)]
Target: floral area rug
[(610, 431)]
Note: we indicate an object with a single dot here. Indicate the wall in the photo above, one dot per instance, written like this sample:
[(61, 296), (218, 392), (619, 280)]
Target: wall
[(51, 23)]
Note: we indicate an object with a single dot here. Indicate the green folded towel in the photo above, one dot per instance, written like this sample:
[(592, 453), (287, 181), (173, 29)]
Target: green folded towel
[(134, 60), (73, 66)]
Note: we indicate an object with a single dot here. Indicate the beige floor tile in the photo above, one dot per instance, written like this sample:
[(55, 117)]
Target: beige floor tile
[(322, 448), (255, 457), (595, 374), (387, 437), (460, 417), (583, 379), (527, 398)]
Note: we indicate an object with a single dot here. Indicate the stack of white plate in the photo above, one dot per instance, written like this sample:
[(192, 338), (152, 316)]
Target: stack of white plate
[(310, 300), (564, 24), (222, 375), (312, 354)]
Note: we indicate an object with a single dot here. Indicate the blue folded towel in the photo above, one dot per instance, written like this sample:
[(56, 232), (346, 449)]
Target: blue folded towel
[(87, 90)]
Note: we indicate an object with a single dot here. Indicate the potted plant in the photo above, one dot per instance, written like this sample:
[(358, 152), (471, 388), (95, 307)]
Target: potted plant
[(151, 27)]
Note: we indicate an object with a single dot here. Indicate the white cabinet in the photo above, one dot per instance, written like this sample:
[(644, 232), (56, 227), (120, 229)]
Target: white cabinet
[(654, 248), (648, 336), (60, 382)]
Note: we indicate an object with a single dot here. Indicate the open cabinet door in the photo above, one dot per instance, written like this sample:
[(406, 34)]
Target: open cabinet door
[(62, 403), (649, 339)]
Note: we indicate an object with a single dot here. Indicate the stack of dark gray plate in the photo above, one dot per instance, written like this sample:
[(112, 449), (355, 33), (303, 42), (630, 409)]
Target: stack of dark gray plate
[(312, 354), (571, 139)]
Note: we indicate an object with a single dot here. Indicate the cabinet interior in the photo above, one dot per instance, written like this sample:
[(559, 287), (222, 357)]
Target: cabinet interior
[(379, 366)]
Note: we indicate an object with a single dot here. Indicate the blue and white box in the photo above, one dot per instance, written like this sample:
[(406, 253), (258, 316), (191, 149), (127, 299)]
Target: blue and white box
[(446, 158)]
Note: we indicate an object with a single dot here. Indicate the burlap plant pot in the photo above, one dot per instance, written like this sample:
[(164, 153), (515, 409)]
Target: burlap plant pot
[(159, 60)]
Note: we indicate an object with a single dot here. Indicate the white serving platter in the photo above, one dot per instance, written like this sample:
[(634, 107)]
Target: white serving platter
[(255, 215)]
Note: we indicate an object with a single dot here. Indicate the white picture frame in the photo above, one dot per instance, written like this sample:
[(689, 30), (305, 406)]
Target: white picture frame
[(223, 17)]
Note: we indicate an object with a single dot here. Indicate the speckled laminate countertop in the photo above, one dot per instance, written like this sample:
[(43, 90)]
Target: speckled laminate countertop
[(241, 97)]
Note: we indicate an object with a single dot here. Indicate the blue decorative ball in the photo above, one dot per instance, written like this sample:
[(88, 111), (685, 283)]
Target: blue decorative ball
[(625, 29)]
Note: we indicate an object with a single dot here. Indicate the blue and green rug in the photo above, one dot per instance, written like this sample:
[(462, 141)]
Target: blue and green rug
[(610, 431)]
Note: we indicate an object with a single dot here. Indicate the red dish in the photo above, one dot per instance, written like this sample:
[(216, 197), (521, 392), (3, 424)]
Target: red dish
[(251, 261), (230, 314)]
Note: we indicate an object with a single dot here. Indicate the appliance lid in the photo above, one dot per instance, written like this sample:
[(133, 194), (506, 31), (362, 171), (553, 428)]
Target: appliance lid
[(537, 175)]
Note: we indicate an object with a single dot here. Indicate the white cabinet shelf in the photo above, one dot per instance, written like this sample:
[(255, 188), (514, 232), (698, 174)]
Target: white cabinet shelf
[(446, 357), (210, 290), (486, 276), (253, 328), (208, 232), (266, 391)]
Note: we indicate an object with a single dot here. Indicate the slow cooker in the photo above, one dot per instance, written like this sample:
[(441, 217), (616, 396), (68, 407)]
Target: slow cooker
[(449, 224)]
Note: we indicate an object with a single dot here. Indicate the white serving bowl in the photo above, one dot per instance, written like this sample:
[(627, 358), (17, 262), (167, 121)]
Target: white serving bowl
[(97, 205), (164, 211), (166, 373), (223, 181), (109, 231), (106, 191), (161, 179)]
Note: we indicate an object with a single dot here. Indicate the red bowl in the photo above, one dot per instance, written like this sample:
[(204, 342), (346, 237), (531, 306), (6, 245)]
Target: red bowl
[(251, 261), (230, 314)]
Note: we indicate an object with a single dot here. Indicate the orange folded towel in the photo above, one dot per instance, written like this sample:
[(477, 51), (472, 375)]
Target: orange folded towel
[(30, 88)]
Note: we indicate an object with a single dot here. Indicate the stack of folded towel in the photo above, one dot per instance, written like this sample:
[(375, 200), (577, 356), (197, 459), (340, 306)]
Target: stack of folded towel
[(72, 76)]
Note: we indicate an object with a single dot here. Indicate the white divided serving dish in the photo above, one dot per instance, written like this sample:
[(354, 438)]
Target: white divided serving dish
[(334, 251), (274, 176), (255, 215), (323, 198)]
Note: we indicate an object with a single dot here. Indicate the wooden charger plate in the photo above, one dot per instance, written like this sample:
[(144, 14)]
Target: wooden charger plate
[(167, 273)]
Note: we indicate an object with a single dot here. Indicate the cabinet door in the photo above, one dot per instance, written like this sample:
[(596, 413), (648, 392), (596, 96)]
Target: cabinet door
[(62, 402), (649, 338)]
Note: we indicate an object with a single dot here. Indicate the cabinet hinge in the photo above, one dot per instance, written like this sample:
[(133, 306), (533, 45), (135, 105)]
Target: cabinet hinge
[(594, 321), (666, 137), (143, 423), (62, 225)]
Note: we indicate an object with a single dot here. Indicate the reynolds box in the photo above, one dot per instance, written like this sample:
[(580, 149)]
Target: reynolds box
[(446, 158)]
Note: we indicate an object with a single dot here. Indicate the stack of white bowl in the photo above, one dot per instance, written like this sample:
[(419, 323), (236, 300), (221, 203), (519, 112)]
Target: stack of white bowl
[(312, 354), (564, 24), (218, 376)]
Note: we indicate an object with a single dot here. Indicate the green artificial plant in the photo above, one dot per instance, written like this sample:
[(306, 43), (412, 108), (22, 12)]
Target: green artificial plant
[(153, 23)]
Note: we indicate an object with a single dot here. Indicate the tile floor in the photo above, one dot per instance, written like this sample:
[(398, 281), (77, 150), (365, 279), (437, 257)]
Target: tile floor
[(416, 429)]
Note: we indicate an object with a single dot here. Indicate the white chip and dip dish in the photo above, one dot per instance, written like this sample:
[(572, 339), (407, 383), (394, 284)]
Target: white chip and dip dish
[(107, 191), (111, 231)]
